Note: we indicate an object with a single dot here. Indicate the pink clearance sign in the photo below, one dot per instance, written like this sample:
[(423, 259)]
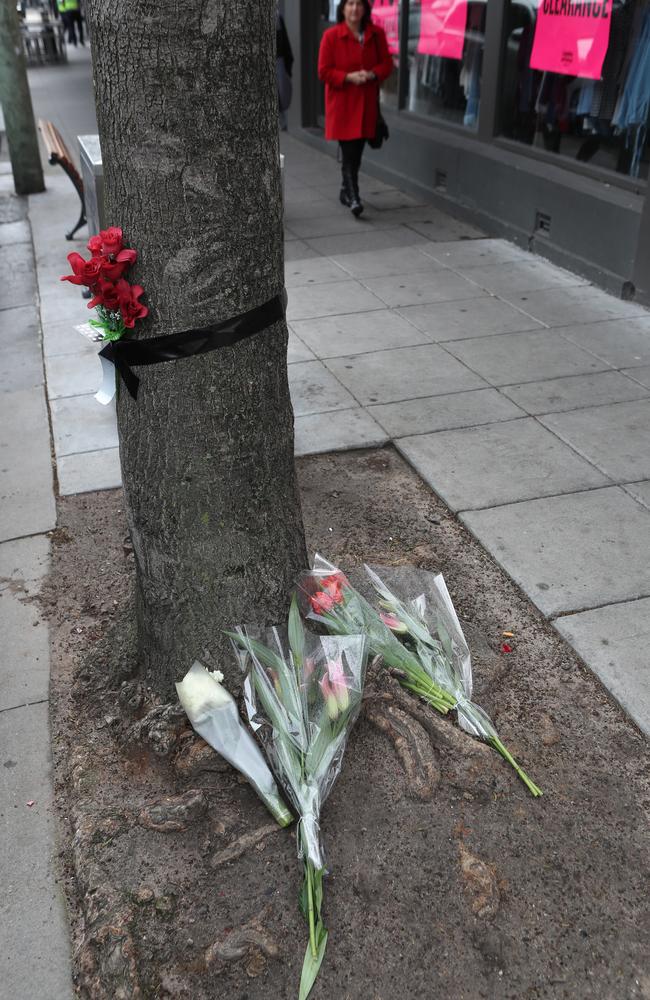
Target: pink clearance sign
[(571, 36), (442, 28), (385, 13)]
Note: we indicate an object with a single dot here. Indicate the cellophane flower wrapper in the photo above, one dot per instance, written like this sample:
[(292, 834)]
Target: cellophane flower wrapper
[(213, 714), (430, 624), (303, 714), (327, 596), (303, 694)]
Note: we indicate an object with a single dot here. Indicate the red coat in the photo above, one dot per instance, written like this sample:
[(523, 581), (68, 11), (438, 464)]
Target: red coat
[(351, 110)]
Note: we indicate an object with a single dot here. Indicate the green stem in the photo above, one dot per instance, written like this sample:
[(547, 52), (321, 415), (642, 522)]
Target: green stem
[(505, 753), (310, 909)]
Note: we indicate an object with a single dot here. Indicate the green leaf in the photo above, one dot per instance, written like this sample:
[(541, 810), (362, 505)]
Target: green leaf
[(296, 634), (311, 965), (303, 899), (318, 889)]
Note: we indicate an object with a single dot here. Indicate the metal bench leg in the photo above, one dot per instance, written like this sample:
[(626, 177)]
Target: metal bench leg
[(80, 223)]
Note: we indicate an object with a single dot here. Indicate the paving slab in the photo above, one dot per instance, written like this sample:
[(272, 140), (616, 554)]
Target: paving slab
[(478, 467), (21, 361), (358, 333), (318, 433), (438, 413), (438, 285), (403, 373), (313, 208), (396, 260), (73, 376), (640, 491), (566, 306), (62, 338), (25, 661), (445, 228), (330, 299), (613, 641), (616, 437), (63, 304), (390, 199), (88, 471), (312, 272), (315, 390), (571, 553), (15, 232), (524, 357), (26, 498), (641, 375), (468, 318), (298, 250), (17, 279), (12, 209), (621, 343), (36, 951), (573, 392), (365, 239), (297, 350), (474, 253), (505, 278), (337, 221), (81, 424)]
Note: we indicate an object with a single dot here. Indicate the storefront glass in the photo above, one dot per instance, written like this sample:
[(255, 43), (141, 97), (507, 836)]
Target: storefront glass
[(576, 80), (386, 14), (445, 58)]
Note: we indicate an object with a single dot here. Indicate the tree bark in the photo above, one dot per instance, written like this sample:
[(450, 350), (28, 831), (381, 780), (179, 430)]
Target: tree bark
[(16, 102), (187, 113)]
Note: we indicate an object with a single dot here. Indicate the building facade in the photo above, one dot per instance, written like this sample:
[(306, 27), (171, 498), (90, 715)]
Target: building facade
[(527, 117)]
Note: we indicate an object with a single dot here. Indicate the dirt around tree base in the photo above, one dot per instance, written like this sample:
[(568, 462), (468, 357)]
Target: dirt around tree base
[(448, 879)]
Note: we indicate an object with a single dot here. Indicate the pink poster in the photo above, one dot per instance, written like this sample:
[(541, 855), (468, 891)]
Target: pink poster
[(571, 36), (385, 13), (442, 28)]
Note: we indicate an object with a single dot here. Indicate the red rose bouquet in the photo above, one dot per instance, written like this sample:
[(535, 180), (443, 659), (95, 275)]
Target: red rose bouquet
[(116, 301)]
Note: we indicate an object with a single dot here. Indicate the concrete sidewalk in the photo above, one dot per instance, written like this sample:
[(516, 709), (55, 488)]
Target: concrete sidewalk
[(518, 391), (36, 948)]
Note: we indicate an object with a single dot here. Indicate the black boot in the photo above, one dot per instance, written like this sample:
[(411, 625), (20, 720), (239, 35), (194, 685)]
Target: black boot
[(347, 190), (356, 205)]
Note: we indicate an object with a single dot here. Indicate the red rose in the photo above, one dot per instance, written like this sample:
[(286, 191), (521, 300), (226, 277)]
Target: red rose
[(112, 270), (94, 244), (130, 308), (86, 272), (111, 240), (106, 295)]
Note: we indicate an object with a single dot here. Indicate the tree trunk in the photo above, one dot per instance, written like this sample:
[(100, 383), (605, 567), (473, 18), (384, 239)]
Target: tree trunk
[(187, 112), (16, 102)]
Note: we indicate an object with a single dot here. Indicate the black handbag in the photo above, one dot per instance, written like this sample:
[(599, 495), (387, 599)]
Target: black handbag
[(381, 130)]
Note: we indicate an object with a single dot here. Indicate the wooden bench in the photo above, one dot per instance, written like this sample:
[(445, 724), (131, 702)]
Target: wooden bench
[(58, 152)]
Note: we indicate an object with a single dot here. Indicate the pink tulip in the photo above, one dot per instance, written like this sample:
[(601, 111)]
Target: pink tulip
[(331, 703), (338, 684), (393, 622)]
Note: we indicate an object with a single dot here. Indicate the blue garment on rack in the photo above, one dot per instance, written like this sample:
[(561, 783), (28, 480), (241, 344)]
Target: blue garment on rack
[(586, 97), (634, 104)]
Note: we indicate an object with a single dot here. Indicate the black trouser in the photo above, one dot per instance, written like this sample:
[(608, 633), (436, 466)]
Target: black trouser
[(75, 19), (351, 153)]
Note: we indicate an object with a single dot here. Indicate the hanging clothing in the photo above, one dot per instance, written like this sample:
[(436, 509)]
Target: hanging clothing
[(633, 109)]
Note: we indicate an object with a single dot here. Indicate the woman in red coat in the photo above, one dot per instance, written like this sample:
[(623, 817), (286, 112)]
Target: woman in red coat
[(352, 62)]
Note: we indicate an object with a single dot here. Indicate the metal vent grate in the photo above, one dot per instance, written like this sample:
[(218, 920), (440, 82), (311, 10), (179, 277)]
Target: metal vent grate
[(440, 181), (542, 222)]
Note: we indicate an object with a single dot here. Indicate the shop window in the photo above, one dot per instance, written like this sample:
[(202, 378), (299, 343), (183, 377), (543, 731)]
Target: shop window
[(386, 14), (576, 80), (445, 57)]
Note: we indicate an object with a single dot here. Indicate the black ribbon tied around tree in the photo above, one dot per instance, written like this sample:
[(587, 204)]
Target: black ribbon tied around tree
[(176, 346)]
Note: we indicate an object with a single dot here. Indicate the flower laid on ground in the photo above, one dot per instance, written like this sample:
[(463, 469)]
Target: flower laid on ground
[(445, 655), (440, 653), (328, 597), (213, 713), (303, 698), (117, 302)]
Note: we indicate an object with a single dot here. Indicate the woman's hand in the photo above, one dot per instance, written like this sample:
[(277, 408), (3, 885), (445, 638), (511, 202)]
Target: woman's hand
[(359, 77)]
